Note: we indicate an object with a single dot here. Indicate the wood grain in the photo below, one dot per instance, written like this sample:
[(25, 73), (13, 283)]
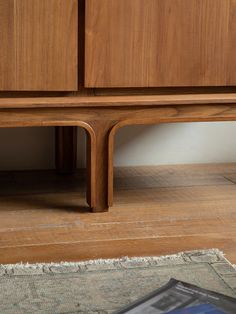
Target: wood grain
[(119, 117), (39, 48), (101, 125), (99, 185), (40, 220), (160, 43), (66, 149), (231, 77), (7, 46), (119, 100)]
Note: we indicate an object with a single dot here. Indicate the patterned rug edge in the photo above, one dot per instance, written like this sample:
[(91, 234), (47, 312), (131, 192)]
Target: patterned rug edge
[(193, 255)]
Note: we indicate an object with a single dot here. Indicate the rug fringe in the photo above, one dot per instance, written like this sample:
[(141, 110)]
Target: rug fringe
[(114, 260)]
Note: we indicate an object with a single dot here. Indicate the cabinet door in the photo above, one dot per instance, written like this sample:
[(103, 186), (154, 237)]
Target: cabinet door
[(152, 43), (38, 45)]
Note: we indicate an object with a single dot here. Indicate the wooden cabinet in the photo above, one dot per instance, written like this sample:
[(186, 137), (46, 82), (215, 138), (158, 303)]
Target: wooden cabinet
[(125, 43), (110, 52), (38, 45), (153, 43)]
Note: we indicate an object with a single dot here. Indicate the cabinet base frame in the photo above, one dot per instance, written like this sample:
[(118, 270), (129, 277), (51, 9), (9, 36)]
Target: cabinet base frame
[(101, 125)]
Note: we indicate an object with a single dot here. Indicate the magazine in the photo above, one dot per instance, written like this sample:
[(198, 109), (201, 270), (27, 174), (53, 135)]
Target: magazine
[(178, 297)]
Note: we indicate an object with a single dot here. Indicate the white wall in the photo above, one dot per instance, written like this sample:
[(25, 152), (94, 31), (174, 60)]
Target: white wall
[(33, 148)]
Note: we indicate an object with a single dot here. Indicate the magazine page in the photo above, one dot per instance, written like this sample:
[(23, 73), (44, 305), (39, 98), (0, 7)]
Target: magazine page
[(176, 296)]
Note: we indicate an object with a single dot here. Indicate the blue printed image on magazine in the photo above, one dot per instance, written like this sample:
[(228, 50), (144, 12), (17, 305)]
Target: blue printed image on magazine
[(199, 309)]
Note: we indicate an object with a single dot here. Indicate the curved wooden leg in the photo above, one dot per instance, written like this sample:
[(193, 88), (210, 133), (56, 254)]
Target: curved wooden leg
[(66, 149), (111, 167), (90, 164), (98, 167)]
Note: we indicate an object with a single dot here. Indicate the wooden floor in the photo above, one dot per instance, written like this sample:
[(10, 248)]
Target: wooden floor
[(157, 211)]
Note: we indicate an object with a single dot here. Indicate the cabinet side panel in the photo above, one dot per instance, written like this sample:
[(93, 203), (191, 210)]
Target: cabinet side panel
[(231, 77), (154, 43), (7, 47), (46, 44)]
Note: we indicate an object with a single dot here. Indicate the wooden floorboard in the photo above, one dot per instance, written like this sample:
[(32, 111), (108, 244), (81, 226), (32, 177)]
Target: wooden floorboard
[(157, 210)]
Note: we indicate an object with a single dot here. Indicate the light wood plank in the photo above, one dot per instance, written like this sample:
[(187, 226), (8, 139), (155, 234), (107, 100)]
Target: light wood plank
[(47, 220), (116, 249)]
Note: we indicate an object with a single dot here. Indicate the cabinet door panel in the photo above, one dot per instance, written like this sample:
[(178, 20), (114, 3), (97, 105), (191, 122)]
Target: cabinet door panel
[(39, 49), (151, 43), (7, 55)]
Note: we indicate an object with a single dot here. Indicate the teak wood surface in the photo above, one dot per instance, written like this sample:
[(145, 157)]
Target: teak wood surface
[(103, 121), (39, 45), (65, 149), (53, 46), (136, 43)]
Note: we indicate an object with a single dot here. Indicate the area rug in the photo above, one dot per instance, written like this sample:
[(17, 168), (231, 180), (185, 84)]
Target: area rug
[(103, 286)]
